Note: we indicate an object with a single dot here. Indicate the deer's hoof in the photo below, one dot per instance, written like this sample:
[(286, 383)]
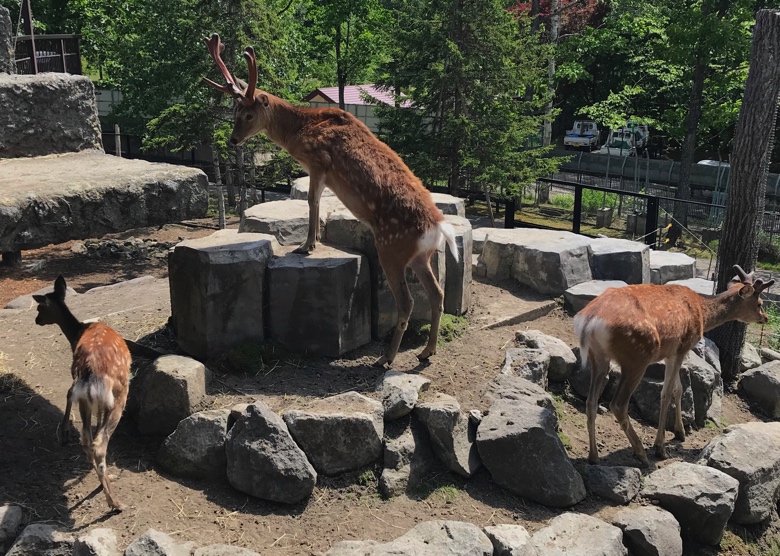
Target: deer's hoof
[(381, 362), (679, 435), (116, 507), (304, 249), (661, 452), (425, 355), (593, 460), (63, 436)]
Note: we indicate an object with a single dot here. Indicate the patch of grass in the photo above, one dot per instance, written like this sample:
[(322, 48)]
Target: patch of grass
[(450, 328), (564, 440), (448, 491), (562, 201), (711, 425), (367, 478)]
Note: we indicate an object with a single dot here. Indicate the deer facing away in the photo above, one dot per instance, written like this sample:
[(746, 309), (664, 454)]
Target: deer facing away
[(339, 151), (100, 370), (641, 324)]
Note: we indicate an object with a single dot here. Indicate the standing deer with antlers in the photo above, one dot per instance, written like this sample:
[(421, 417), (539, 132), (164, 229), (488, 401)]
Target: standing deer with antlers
[(100, 370), (641, 324), (339, 151)]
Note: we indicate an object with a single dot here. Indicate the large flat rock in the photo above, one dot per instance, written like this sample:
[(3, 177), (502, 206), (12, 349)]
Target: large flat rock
[(699, 285), (666, 266), (551, 261), (56, 198), (620, 259)]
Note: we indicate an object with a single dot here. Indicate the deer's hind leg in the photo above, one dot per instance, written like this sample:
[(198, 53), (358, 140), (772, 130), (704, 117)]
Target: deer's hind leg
[(395, 270), (110, 420), (64, 431), (599, 375), (422, 268), (630, 377)]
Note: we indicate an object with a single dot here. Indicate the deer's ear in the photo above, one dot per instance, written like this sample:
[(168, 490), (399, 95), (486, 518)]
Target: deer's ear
[(746, 291), (41, 299), (60, 287), (262, 98)]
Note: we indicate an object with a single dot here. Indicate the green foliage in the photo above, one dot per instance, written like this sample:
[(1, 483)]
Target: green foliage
[(367, 478), (593, 200), (461, 70), (451, 327), (562, 200)]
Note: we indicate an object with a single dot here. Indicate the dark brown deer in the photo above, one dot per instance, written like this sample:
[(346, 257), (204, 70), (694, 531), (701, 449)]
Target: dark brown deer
[(639, 325), (339, 151), (100, 370)]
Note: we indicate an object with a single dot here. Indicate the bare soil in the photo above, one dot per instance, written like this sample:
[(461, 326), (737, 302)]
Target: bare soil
[(55, 484)]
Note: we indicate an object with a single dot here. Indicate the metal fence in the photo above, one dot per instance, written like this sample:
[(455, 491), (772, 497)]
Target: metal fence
[(53, 53)]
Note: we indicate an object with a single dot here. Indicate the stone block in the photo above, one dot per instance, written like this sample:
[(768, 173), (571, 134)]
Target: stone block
[(449, 204), (48, 113), (217, 285), (408, 460), (577, 297), (576, 534), (457, 286), (666, 266), (619, 484), (319, 304), (620, 259), (550, 261), (287, 220), (399, 392), (197, 447), (300, 189), (761, 386), (699, 285), (649, 531), (498, 251), (478, 236)]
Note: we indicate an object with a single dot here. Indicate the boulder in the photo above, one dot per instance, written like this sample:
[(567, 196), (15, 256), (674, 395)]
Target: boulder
[(217, 290), (750, 453), (647, 397), (408, 460), (457, 285), (706, 386), (319, 303), (510, 540), (300, 189), (509, 387), (498, 251), (449, 204), (708, 350), (399, 392), (527, 430), (762, 387), (577, 297), (617, 484), (166, 392), (562, 358), (429, 538), (339, 433), (263, 460), (528, 363), (478, 236), (287, 220), (197, 447), (550, 261), (749, 358), (699, 285), (40, 539), (575, 534), (59, 107), (620, 259), (666, 266), (452, 434), (700, 498), (156, 543), (97, 542), (10, 520), (649, 531)]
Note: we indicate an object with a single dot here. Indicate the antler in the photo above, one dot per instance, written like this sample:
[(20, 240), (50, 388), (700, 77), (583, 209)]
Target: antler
[(251, 62), (215, 48), (744, 277)]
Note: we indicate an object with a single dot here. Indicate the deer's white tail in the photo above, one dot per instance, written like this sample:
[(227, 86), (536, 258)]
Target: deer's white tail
[(448, 235), (591, 330)]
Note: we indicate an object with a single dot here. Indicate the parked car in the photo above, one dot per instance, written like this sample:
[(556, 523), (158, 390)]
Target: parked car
[(584, 134)]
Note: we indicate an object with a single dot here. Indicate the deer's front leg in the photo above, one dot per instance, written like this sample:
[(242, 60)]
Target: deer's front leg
[(316, 186)]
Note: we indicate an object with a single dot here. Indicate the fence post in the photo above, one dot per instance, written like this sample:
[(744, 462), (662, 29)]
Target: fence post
[(575, 225), (509, 213), (651, 222), (117, 141)]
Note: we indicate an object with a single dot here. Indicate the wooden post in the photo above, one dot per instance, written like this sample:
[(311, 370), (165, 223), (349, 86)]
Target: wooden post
[(220, 191), (117, 141), (753, 142), (28, 30)]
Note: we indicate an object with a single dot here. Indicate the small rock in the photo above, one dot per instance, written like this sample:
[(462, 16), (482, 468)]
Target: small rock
[(78, 248), (197, 447), (575, 534), (155, 543), (562, 358), (649, 531), (39, 539), (761, 386), (475, 416), (618, 484), (97, 542), (510, 540), (10, 520), (749, 358), (399, 392), (530, 364), (408, 460)]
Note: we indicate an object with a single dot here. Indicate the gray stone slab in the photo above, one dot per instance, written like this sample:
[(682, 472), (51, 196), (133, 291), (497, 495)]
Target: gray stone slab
[(666, 266), (577, 297), (287, 220), (761, 386), (449, 204), (699, 285), (550, 261), (57, 198), (498, 252), (620, 259), (319, 304), (217, 290), (48, 113), (457, 286), (576, 534), (300, 189), (478, 235)]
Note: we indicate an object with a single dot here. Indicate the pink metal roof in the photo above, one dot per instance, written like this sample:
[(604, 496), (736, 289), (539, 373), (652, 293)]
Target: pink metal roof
[(352, 94)]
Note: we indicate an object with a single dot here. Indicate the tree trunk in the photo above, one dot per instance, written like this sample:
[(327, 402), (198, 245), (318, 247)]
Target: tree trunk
[(753, 141), (220, 191), (455, 33), (535, 23), (241, 174), (554, 26), (231, 189), (341, 76)]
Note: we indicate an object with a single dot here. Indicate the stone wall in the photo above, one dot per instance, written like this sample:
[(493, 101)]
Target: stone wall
[(7, 64), (48, 113)]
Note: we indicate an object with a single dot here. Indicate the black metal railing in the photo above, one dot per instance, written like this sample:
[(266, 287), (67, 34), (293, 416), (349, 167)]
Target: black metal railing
[(53, 53)]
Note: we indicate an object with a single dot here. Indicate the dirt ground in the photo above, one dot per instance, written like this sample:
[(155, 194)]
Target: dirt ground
[(54, 484)]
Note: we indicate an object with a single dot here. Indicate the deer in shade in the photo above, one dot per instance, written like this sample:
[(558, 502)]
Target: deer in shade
[(100, 371), (641, 324), (340, 152)]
